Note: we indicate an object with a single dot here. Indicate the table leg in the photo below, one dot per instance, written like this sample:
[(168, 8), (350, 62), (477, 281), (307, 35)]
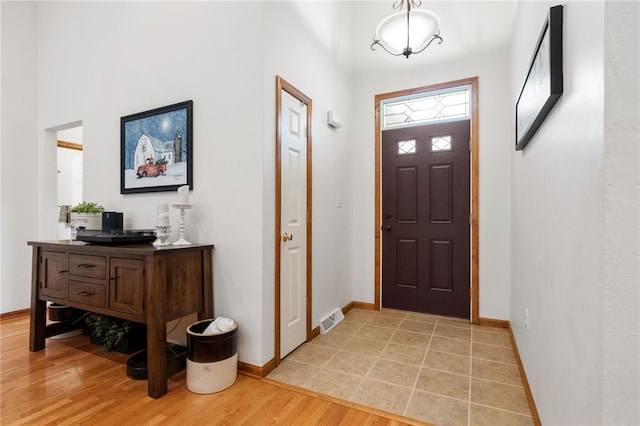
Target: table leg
[(207, 282), (38, 325), (156, 359), (156, 330), (38, 320)]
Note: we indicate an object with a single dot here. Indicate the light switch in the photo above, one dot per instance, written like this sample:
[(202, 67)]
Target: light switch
[(339, 201)]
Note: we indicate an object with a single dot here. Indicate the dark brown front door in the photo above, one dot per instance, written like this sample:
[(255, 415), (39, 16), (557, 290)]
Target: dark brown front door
[(425, 219)]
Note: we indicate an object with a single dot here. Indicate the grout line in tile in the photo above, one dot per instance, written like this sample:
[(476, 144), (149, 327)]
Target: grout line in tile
[(306, 382), (493, 344), (501, 409), (499, 383), (374, 363), (497, 362), (356, 390), (413, 390), (415, 382), (463, 325), (492, 360), (327, 361), (388, 383), (452, 338), (441, 395), (488, 329), (366, 376), (446, 371)]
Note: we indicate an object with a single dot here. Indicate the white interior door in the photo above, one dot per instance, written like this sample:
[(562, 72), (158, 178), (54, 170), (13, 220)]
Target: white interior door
[(293, 244)]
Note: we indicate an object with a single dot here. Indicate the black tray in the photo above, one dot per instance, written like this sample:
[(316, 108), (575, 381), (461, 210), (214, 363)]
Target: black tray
[(131, 236), (176, 361)]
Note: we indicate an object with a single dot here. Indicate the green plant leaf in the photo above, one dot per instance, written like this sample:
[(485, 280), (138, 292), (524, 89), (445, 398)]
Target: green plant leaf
[(86, 207)]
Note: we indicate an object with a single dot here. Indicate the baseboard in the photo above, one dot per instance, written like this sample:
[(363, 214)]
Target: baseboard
[(315, 333), (346, 308), (523, 376), (255, 371), (14, 314), (364, 305), (490, 322)]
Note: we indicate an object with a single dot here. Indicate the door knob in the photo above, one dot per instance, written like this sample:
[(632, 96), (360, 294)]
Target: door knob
[(388, 228), (287, 237)]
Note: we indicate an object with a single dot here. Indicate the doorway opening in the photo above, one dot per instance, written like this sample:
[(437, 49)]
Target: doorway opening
[(69, 175), (387, 98)]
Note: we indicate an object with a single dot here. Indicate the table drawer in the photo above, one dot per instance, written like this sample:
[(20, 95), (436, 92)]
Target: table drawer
[(87, 293), (87, 266)]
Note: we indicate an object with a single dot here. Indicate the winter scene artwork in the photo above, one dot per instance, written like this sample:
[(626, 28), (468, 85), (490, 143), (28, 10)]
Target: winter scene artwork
[(156, 149)]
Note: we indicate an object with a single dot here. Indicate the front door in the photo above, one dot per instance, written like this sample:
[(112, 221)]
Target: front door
[(293, 222), (425, 219)]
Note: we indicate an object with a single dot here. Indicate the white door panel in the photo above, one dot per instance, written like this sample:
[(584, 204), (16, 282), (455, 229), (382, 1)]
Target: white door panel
[(293, 268)]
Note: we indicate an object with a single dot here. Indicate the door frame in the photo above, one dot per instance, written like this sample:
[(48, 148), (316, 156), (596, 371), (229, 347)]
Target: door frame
[(474, 217), (281, 85)]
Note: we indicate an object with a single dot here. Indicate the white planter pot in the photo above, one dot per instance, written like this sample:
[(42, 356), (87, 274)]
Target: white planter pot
[(85, 220)]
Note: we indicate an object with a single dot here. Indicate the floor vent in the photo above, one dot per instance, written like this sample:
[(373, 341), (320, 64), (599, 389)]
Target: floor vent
[(331, 320)]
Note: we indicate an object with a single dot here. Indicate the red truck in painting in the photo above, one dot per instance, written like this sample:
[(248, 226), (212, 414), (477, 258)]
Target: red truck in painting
[(152, 168)]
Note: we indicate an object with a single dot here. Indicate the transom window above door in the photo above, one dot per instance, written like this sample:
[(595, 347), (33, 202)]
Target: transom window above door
[(424, 108)]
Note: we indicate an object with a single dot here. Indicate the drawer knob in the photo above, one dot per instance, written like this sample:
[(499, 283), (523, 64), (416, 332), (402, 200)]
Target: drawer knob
[(86, 265)]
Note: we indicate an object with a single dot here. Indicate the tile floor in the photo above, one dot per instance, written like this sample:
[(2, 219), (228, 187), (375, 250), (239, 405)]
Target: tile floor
[(438, 370)]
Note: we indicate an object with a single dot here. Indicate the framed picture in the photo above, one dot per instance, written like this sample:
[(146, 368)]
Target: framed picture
[(543, 85), (156, 149)]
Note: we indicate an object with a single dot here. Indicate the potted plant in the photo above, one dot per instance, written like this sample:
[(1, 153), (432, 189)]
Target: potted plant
[(114, 333), (87, 215)]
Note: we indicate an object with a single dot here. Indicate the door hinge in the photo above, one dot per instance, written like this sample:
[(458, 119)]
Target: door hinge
[(470, 219), (469, 145)]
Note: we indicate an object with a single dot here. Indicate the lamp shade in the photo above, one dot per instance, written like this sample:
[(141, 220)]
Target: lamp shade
[(422, 26)]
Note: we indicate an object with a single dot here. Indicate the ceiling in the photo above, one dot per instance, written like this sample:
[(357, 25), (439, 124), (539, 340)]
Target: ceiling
[(465, 26)]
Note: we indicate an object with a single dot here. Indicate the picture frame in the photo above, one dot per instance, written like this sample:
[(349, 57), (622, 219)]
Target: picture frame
[(543, 85), (156, 148)]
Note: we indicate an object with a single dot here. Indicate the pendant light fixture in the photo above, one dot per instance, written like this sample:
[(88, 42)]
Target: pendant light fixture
[(407, 32)]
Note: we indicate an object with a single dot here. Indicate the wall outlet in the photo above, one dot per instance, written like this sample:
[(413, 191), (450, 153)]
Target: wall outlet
[(526, 318)]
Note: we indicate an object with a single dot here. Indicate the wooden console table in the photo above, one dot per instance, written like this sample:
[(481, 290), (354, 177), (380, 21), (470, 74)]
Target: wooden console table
[(135, 282)]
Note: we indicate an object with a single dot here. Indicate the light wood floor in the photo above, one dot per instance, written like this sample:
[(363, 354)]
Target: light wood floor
[(74, 382)]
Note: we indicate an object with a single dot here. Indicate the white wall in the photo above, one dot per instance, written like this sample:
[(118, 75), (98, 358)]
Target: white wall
[(621, 298), (298, 47), (557, 223), (99, 61), (496, 143), (96, 62), (19, 202)]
